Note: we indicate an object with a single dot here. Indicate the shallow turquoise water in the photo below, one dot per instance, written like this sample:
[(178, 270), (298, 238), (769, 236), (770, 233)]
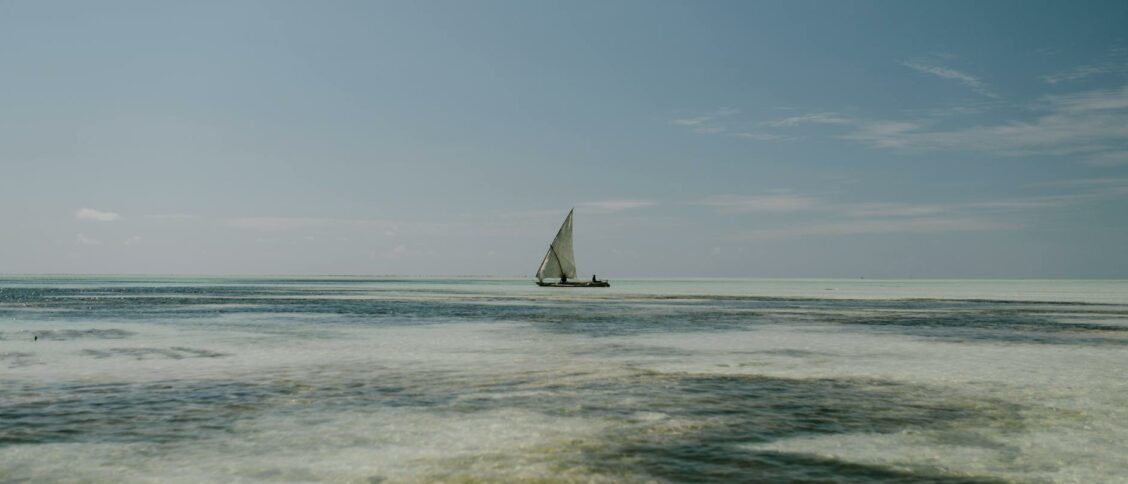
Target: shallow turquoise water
[(362, 380)]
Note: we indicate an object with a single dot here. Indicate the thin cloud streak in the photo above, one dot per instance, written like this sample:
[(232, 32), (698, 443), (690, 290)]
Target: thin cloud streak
[(761, 136), (287, 224), (884, 226), (1116, 62), (795, 203), (1082, 124), (514, 223), (814, 118), (947, 73), (1099, 182), (96, 215), (81, 239), (608, 206), (1109, 158), (1083, 72), (863, 210), (761, 203), (896, 217), (705, 124), (691, 121), (1089, 127), (172, 216)]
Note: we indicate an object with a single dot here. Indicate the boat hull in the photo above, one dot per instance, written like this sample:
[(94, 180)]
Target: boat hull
[(575, 284)]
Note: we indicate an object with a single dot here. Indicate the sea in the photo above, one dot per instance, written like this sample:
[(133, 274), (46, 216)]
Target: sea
[(367, 380)]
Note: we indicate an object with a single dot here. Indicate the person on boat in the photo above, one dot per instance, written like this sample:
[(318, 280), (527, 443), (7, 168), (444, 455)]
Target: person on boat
[(593, 278), (563, 279)]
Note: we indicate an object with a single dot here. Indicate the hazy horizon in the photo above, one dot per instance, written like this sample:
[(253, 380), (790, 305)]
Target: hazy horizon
[(885, 140)]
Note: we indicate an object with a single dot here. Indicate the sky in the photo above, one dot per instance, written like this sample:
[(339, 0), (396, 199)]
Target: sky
[(694, 139)]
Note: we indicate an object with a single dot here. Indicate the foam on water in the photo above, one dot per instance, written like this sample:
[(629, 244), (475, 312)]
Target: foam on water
[(452, 380)]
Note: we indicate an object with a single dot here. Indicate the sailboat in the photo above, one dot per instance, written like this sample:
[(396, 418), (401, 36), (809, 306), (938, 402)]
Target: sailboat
[(560, 262)]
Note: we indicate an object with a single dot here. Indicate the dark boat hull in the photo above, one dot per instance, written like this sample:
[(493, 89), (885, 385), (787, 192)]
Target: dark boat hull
[(575, 284)]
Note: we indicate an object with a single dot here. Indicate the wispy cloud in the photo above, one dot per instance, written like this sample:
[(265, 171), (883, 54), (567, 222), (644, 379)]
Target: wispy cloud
[(1087, 182), (1069, 193), (761, 136), (707, 123), (884, 134), (881, 226), (1036, 202), (272, 224), (1115, 61), (834, 218), (1082, 72), (1100, 100), (404, 251), (284, 224), (709, 129), (1090, 127), (781, 202), (616, 205), (172, 216), (1084, 125), (964, 78), (722, 112), (952, 110), (96, 215), (891, 210), (330, 225), (719, 123), (691, 121), (1109, 158), (790, 202), (84, 240), (814, 118)]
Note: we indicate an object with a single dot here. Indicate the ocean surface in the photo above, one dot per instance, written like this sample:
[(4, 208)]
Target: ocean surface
[(343, 379)]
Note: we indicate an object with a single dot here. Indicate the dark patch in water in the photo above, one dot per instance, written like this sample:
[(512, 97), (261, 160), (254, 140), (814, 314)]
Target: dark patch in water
[(739, 410), (173, 353), (289, 302), (706, 421), (13, 355), (788, 352), (70, 334), (157, 412), (700, 463), (17, 359), (179, 410), (984, 324), (286, 302), (633, 350)]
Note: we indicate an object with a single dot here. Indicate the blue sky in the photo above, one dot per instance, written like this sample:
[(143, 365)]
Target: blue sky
[(742, 139)]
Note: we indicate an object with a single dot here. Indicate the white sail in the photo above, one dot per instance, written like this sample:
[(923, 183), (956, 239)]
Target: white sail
[(559, 261)]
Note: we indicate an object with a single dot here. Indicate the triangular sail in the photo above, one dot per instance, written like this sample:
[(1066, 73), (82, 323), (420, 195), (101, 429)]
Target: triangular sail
[(559, 261)]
